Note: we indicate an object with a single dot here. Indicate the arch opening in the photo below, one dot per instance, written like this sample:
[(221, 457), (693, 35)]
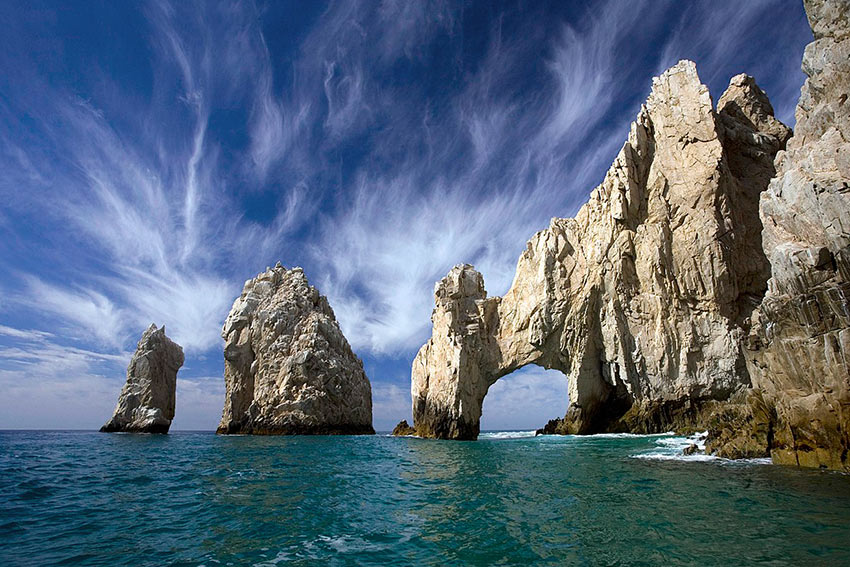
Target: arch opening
[(525, 400)]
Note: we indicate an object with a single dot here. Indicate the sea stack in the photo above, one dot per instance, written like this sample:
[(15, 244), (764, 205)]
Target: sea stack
[(146, 403), (288, 368), (643, 299)]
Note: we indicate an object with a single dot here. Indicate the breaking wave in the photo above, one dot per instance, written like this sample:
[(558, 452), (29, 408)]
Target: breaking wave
[(506, 434)]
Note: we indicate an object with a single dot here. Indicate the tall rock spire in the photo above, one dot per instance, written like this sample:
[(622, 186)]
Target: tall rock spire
[(146, 403)]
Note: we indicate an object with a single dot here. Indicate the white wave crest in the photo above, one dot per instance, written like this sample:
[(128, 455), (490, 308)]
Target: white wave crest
[(506, 434), (621, 435), (659, 456), (673, 449)]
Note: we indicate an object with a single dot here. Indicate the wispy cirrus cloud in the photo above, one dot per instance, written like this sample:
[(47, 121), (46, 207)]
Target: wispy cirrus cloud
[(154, 208), (84, 308), (27, 334), (375, 144), (508, 157)]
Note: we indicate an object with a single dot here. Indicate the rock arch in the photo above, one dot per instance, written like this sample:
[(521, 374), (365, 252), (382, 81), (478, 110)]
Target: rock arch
[(643, 299)]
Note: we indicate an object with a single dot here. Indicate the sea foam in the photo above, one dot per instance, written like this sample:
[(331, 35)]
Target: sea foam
[(506, 434), (672, 449)]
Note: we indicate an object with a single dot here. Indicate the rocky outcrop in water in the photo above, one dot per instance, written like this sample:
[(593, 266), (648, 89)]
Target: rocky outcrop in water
[(644, 298), (402, 429), (287, 366), (146, 403), (799, 347)]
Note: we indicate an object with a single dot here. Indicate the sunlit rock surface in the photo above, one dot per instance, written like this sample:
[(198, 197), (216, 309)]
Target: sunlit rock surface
[(799, 353), (643, 299), (146, 403), (403, 428), (287, 366)]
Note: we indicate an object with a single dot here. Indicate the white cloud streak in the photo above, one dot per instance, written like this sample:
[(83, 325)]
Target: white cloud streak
[(401, 232), (25, 334), (375, 182), (85, 308)]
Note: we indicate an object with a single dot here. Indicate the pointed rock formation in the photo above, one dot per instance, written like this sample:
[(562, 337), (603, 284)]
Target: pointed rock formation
[(146, 403), (643, 299), (403, 429), (287, 366), (799, 357)]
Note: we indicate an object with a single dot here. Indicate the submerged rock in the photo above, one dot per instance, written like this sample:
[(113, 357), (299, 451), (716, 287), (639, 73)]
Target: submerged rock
[(403, 428), (799, 346), (146, 403), (691, 449), (288, 368), (643, 299), (552, 427)]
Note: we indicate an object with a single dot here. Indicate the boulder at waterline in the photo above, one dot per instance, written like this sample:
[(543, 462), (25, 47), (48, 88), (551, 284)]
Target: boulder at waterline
[(403, 428)]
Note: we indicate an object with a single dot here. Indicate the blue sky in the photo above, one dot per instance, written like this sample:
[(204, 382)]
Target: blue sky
[(155, 155)]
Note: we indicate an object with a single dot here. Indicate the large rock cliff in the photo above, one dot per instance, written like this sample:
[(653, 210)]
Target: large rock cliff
[(146, 403), (287, 366), (799, 347), (644, 298), (703, 284)]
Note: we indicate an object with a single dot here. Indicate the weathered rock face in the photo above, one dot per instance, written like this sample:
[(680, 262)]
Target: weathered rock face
[(287, 366), (146, 403), (403, 428), (643, 299), (799, 349)]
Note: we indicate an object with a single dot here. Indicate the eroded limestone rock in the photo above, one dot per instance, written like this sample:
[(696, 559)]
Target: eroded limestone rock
[(799, 348), (644, 298), (287, 366), (146, 403)]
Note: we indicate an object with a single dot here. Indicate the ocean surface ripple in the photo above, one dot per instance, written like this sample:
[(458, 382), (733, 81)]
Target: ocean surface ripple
[(81, 498)]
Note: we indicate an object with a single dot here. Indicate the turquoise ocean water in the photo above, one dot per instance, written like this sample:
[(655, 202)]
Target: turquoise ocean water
[(80, 498)]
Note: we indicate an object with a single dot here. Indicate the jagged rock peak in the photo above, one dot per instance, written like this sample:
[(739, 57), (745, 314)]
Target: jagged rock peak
[(288, 368), (643, 298), (403, 429), (462, 282), (146, 403)]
